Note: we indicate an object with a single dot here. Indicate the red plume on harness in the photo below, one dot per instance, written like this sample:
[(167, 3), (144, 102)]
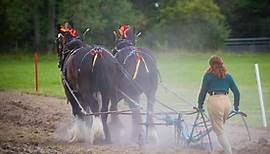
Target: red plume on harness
[(123, 30), (73, 33)]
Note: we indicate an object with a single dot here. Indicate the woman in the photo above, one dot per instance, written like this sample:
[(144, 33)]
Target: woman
[(217, 82)]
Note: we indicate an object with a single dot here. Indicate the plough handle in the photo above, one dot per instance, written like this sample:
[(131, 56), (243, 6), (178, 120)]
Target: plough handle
[(243, 116), (195, 108), (237, 113)]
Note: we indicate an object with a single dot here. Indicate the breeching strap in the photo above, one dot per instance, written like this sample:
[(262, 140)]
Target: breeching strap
[(139, 58)]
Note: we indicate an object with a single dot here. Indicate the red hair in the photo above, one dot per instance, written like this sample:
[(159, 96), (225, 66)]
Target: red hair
[(217, 67)]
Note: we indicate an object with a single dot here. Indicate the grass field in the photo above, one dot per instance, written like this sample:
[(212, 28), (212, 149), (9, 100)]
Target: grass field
[(181, 71)]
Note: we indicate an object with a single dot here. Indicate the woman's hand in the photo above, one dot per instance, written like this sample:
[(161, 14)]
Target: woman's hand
[(236, 110)]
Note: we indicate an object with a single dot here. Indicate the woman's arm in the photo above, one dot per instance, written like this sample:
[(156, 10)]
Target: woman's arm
[(236, 93), (203, 91)]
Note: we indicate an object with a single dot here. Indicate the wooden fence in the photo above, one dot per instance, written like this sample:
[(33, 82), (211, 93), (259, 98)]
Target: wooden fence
[(248, 44)]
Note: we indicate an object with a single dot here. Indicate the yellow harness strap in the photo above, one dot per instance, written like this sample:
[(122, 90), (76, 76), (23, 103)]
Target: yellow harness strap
[(139, 59), (94, 62)]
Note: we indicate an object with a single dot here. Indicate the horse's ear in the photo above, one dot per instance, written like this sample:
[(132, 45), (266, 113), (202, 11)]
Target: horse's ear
[(85, 32), (115, 35), (138, 34), (59, 35)]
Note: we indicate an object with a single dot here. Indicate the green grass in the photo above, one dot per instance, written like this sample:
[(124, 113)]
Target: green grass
[(181, 71), (17, 73)]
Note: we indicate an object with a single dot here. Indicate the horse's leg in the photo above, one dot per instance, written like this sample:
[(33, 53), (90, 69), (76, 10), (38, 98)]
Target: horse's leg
[(73, 103), (152, 136), (81, 129), (105, 104), (114, 107), (137, 129), (116, 126), (96, 127), (70, 77), (114, 116), (150, 93)]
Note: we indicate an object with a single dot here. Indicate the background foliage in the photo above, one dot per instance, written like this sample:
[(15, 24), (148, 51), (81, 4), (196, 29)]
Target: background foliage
[(191, 24)]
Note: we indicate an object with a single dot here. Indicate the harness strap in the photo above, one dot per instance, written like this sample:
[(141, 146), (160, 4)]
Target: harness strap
[(137, 67), (130, 54), (96, 52), (139, 58), (147, 70)]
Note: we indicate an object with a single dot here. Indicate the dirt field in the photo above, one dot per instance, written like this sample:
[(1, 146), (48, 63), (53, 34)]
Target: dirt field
[(28, 124)]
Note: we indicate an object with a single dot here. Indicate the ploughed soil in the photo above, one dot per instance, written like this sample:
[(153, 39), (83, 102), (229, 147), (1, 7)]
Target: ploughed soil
[(30, 123)]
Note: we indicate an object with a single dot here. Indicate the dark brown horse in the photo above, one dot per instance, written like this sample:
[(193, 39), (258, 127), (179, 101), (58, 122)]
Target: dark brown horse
[(88, 74), (140, 76)]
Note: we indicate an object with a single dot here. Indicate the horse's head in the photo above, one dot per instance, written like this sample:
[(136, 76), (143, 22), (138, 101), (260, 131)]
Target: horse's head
[(125, 37), (125, 32), (65, 34), (60, 43)]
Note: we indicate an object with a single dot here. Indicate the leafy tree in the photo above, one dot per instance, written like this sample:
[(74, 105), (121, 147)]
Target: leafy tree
[(194, 24), (247, 18), (24, 24), (101, 16), (51, 24), (150, 9), (16, 21)]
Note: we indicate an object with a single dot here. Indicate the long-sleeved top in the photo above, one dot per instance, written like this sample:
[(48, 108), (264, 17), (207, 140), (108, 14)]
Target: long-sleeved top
[(212, 83)]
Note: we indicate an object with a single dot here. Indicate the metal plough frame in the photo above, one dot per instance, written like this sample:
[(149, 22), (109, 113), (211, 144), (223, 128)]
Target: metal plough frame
[(201, 121)]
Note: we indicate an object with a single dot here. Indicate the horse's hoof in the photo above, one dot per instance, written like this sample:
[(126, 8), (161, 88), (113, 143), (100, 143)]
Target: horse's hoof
[(107, 142), (153, 136), (101, 142)]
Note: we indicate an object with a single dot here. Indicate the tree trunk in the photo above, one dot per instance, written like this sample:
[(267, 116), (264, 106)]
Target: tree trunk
[(51, 25), (36, 17)]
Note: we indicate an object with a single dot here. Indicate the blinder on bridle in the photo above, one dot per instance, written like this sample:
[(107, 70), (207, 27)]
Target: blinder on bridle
[(60, 43)]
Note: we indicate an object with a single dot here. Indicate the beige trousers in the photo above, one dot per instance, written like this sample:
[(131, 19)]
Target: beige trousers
[(218, 107)]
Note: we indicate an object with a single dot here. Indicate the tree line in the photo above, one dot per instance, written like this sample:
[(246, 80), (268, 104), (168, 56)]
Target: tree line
[(189, 24)]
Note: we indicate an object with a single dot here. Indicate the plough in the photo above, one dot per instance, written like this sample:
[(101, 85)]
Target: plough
[(201, 126)]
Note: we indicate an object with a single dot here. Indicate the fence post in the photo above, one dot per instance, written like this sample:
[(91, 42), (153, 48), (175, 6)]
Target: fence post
[(260, 95), (36, 70)]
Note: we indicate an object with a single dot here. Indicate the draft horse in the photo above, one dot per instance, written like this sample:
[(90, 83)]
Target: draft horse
[(140, 76), (88, 73)]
